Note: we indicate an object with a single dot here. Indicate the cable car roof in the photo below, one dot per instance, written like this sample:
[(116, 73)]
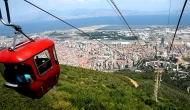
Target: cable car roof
[(25, 52)]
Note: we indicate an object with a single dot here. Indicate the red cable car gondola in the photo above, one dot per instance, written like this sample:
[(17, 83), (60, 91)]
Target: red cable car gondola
[(31, 67)]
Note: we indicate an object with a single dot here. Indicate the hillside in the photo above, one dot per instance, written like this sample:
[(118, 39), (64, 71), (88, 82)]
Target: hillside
[(80, 88)]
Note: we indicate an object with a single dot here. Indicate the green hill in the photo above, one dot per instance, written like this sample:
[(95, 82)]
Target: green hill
[(80, 88)]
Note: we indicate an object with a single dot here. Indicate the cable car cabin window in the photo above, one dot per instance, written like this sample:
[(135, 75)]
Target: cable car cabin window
[(18, 73), (55, 56), (43, 62)]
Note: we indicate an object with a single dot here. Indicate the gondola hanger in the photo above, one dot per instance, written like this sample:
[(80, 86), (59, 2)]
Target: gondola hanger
[(31, 67)]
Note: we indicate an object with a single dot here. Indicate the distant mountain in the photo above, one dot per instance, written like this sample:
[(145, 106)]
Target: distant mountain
[(86, 13)]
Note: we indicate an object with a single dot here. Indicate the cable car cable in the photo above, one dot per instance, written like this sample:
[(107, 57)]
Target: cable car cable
[(119, 18), (127, 25), (168, 22), (119, 15), (72, 26), (168, 25), (123, 18), (116, 13), (126, 22), (178, 25), (16, 27), (57, 18), (169, 12)]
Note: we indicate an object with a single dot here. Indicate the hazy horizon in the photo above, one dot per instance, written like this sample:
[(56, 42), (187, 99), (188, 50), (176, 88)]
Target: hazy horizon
[(36, 26), (21, 9)]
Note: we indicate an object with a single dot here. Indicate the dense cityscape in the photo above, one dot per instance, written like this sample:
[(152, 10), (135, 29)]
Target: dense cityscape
[(116, 51), (112, 50)]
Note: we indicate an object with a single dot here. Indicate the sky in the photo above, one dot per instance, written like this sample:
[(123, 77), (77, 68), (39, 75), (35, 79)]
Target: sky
[(21, 11), (19, 8)]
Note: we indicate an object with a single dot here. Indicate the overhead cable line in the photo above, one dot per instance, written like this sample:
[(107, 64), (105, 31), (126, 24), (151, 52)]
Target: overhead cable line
[(72, 26), (169, 12), (116, 13), (178, 25), (125, 22), (120, 17), (169, 23), (57, 18)]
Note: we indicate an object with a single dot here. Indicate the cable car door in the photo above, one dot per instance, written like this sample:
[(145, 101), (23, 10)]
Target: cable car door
[(55, 71), (44, 65)]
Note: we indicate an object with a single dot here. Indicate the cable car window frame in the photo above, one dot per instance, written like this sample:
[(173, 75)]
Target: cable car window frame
[(16, 68), (30, 73), (49, 61), (55, 56)]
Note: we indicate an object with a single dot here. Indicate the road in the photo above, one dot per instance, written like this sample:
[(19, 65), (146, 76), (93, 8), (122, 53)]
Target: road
[(134, 82)]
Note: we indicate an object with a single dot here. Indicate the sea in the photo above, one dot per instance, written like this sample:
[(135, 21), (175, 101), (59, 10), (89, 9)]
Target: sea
[(114, 22)]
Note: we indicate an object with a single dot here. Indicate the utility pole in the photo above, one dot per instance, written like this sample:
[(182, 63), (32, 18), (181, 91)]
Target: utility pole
[(155, 47), (158, 79)]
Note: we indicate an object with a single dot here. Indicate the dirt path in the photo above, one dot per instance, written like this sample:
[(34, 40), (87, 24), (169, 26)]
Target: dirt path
[(134, 82)]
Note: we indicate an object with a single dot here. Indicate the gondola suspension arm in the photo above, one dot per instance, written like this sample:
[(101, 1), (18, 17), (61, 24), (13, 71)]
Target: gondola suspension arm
[(17, 28)]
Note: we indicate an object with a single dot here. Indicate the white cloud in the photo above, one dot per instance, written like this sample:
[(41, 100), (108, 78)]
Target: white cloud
[(159, 0), (75, 1), (64, 4), (62, 1)]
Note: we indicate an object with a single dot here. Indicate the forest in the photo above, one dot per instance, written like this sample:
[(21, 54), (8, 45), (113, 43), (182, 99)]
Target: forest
[(84, 89)]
